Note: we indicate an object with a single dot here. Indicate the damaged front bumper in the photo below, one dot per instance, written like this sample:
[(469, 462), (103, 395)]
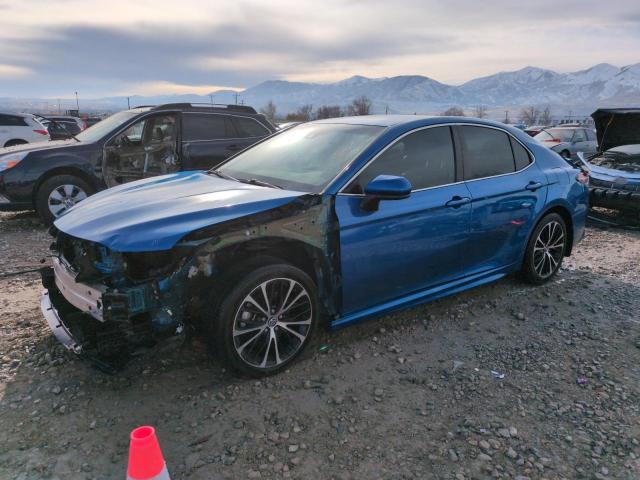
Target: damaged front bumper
[(102, 324), (56, 324)]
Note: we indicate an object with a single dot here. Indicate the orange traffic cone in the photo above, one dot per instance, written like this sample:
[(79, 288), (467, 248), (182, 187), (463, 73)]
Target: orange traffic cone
[(145, 458)]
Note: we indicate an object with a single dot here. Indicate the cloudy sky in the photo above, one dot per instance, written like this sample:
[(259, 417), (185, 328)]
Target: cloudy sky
[(147, 47)]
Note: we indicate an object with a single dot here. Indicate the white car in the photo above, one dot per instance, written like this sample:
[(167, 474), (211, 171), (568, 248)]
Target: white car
[(19, 128)]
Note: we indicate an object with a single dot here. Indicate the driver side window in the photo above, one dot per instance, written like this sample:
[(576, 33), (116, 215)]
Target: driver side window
[(425, 158)]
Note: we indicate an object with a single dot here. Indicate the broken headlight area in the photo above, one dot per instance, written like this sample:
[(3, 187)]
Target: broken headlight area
[(108, 305)]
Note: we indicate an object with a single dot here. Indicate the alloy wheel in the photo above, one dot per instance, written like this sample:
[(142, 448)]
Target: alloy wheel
[(272, 323), (63, 198), (548, 249)]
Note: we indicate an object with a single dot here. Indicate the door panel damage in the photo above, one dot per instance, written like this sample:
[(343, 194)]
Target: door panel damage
[(148, 148), (108, 305)]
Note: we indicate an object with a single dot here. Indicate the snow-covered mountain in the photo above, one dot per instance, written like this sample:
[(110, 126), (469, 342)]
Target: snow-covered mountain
[(581, 92), (600, 85)]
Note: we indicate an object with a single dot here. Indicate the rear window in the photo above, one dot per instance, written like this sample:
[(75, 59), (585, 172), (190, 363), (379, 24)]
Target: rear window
[(562, 134), (248, 127), (486, 152), (197, 127)]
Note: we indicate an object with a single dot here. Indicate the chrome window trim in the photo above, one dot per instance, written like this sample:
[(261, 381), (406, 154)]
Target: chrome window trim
[(533, 158)]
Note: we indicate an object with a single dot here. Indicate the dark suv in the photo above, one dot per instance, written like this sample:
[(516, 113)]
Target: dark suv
[(129, 145)]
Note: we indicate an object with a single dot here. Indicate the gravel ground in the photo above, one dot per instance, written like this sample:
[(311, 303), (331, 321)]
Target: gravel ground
[(412, 395)]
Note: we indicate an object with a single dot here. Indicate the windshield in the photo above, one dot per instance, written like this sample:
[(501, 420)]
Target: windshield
[(306, 157), (100, 129)]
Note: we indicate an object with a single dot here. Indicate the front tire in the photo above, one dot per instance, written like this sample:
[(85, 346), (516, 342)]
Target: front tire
[(59, 193), (545, 250), (266, 320)]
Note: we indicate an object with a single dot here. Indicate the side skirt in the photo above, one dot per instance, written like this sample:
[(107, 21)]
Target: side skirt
[(423, 296)]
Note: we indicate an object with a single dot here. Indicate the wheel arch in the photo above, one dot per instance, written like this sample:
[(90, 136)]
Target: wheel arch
[(307, 257), (63, 170), (20, 141), (565, 213)]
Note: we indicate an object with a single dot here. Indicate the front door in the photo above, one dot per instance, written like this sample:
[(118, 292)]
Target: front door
[(145, 149), (507, 192), (406, 245)]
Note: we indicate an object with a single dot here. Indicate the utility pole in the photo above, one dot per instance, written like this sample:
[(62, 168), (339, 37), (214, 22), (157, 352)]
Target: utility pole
[(211, 97), (386, 110), (77, 103), (128, 104), (236, 96), (506, 116), (59, 108)]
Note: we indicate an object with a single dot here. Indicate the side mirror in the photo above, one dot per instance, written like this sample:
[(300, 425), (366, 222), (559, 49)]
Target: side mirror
[(385, 187)]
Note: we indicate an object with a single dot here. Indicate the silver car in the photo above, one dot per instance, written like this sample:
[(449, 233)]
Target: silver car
[(568, 141)]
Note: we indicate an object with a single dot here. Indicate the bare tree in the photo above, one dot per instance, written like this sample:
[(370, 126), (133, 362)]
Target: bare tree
[(453, 112), (304, 114), (328, 111), (269, 111), (360, 106), (529, 115), (480, 111), (545, 116)]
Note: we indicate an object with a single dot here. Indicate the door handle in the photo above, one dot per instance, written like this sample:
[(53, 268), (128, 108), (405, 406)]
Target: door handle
[(234, 148), (457, 202), (533, 186)]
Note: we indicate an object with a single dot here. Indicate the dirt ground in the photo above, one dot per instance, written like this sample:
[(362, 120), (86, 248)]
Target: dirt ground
[(409, 396)]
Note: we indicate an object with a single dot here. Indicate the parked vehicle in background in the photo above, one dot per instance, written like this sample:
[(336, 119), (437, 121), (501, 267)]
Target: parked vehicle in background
[(62, 128), (328, 223), (21, 128), (91, 121), (534, 130), (132, 144), (614, 172), (568, 141)]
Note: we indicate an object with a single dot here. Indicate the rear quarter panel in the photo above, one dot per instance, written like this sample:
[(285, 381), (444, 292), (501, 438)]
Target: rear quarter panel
[(563, 190)]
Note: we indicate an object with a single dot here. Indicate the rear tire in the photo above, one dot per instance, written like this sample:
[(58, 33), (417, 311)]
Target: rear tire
[(265, 320), (13, 143), (59, 193), (545, 250)]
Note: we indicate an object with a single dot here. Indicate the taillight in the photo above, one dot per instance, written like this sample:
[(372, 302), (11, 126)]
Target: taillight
[(583, 178), (42, 132), (554, 140)]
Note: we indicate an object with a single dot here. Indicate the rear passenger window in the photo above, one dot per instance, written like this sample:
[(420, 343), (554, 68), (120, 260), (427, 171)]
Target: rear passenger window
[(12, 121), (486, 152), (425, 158), (247, 127), (206, 127), (591, 136), (520, 154)]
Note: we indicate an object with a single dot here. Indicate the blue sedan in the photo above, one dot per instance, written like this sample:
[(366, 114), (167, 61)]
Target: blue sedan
[(325, 224)]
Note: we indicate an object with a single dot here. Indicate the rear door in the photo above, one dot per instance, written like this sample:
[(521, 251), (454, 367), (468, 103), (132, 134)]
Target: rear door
[(249, 131), (507, 190), (207, 140)]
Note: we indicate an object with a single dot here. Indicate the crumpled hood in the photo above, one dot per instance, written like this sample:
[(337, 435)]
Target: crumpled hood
[(154, 213), (616, 126)]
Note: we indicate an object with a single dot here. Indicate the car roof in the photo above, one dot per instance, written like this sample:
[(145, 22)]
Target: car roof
[(17, 114), (410, 120), (376, 120)]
